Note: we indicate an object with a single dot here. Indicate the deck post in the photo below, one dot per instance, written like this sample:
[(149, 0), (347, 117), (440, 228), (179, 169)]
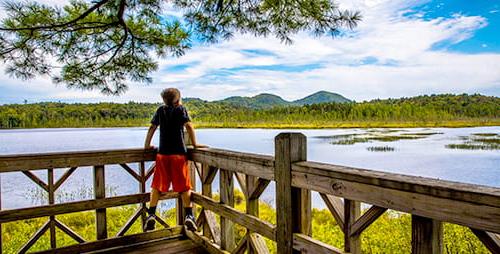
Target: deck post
[(226, 187), (292, 205), (352, 211), (99, 193), (426, 235)]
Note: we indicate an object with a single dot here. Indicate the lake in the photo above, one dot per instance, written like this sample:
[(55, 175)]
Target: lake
[(469, 155)]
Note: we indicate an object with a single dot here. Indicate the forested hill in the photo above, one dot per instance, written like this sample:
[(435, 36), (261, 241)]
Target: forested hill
[(435, 110), (266, 100)]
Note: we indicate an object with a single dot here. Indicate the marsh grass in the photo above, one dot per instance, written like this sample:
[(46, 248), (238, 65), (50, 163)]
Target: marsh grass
[(380, 149), (478, 141), (388, 135)]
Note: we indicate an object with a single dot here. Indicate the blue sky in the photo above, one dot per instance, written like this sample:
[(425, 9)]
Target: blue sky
[(401, 48)]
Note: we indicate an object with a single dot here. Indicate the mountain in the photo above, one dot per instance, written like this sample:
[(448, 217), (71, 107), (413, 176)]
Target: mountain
[(266, 100), (322, 97)]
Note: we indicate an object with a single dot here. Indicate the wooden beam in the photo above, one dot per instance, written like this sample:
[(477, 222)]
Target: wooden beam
[(22, 162), (336, 207), (64, 177), (150, 171), (352, 211), (241, 247), (483, 217), (78, 206), (258, 244), (69, 232), (130, 222), (206, 243), (367, 219), (35, 237), (100, 193), (251, 222), (37, 180), (131, 171), (491, 241), (247, 163), (241, 178), (226, 187), (170, 233), (258, 188), (289, 148), (426, 235), (470, 193), (51, 192), (307, 244)]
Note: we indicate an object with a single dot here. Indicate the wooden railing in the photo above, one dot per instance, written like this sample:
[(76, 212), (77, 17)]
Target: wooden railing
[(99, 161), (430, 201)]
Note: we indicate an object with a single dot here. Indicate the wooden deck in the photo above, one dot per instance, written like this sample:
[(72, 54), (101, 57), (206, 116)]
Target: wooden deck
[(429, 201)]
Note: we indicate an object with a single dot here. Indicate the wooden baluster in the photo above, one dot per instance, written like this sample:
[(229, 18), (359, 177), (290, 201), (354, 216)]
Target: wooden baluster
[(52, 219), (289, 148), (210, 228), (252, 207), (426, 236), (99, 193), (352, 211), (226, 187), (142, 189)]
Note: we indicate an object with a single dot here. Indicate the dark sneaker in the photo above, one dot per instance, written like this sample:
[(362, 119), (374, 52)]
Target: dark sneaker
[(190, 223), (150, 223)]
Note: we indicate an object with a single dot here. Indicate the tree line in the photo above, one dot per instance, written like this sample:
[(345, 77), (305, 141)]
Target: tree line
[(470, 110)]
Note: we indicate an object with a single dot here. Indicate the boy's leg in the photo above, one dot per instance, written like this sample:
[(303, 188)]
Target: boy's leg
[(150, 221), (190, 220)]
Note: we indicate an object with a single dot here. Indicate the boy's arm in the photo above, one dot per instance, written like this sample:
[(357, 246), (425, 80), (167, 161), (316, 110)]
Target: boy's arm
[(190, 130), (149, 136)]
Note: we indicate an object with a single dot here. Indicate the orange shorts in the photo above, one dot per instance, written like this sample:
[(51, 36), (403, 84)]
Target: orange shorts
[(171, 169)]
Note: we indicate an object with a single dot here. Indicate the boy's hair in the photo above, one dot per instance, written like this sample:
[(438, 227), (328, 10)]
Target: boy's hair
[(171, 96)]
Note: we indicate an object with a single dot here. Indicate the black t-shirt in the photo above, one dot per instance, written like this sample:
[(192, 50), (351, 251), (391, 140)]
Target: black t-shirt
[(171, 121)]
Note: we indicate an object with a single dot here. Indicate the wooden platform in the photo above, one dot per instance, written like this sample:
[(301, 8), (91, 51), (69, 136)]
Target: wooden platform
[(163, 246)]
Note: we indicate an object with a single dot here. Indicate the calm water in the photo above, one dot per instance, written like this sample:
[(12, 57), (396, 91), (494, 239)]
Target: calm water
[(426, 156)]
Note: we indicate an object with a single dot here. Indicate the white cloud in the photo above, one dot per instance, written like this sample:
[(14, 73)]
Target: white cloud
[(392, 34)]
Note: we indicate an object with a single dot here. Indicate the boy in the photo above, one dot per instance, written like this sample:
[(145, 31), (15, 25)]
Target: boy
[(171, 161)]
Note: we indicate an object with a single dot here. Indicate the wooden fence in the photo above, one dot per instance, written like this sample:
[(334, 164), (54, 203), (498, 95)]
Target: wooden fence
[(430, 202)]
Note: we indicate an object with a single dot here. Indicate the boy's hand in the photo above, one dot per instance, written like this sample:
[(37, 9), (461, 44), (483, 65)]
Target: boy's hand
[(147, 147), (200, 146)]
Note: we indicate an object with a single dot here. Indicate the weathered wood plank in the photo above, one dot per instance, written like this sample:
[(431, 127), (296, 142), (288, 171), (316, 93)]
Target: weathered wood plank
[(206, 243), (100, 193), (367, 219), (490, 240), (289, 148), (71, 207), (336, 207), (241, 247), (241, 178), (64, 177), (306, 244), (35, 237), (352, 211), (69, 232), (170, 233), (51, 192), (21, 162), (251, 222), (247, 163), (258, 244), (470, 193), (258, 188), (483, 217), (426, 235), (131, 171), (226, 187), (36, 180), (130, 222)]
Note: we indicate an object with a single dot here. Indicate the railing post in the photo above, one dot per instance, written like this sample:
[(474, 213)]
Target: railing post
[(99, 193), (226, 187), (426, 235), (352, 211), (292, 205), (142, 189), (52, 219)]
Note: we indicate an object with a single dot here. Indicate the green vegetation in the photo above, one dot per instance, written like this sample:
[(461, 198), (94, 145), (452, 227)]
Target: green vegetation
[(391, 233), (422, 111), (101, 44), (478, 141), (375, 135), (380, 149)]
